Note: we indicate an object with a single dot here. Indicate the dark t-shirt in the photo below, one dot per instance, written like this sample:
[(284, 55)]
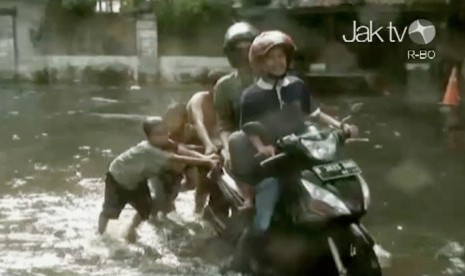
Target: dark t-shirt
[(227, 95), (281, 108)]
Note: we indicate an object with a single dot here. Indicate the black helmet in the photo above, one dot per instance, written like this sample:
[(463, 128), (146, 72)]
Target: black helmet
[(240, 31)]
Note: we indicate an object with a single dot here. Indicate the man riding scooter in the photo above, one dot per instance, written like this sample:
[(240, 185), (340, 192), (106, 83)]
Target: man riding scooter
[(280, 104), (229, 88)]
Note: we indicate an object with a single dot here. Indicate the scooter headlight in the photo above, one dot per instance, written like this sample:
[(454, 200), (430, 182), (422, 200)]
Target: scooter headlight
[(323, 202), (321, 150)]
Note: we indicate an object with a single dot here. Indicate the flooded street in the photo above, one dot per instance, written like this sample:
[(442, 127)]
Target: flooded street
[(55, 148)]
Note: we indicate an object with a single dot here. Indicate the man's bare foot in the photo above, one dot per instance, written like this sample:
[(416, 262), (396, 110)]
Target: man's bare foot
[(246, 205)]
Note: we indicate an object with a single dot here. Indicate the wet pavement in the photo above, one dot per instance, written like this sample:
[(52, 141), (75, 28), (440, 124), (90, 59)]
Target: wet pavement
[(56, 144)]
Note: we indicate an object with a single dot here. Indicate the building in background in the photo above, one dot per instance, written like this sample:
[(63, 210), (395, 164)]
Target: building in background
[(71, 38)]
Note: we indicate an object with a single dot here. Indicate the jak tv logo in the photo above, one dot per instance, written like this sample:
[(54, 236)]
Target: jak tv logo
[(420, 32)]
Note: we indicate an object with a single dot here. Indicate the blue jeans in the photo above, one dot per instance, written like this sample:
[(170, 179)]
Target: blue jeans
[(266, 197), (252, 241)]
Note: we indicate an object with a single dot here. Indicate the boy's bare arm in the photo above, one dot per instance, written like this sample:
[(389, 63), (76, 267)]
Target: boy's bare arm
[(194, 147), (185, 150), (175, 159)]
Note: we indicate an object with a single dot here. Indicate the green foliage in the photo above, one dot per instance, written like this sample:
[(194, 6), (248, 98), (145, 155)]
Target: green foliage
[(80, 8), (44, 76), (184, 17)]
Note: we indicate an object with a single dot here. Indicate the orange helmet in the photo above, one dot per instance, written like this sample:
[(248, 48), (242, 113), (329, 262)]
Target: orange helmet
[(263, 43)]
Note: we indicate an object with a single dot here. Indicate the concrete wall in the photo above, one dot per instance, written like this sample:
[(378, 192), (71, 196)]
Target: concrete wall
[(7, 61), (146, 61), (29, 14), (66, 32), (147, 46), (33, 59)]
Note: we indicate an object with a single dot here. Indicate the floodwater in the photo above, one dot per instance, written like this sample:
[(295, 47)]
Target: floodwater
[(55, 147)]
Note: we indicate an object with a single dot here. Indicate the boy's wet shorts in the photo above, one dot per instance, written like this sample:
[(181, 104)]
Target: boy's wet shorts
[(116, 197), (171, 183)]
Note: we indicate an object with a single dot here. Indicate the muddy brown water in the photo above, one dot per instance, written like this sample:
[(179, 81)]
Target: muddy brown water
[(54, 150)]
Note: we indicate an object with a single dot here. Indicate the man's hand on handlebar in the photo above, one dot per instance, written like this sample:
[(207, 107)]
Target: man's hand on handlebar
[(214, 156), (210, 149), (214, 162), (225, 157), (266, 151)]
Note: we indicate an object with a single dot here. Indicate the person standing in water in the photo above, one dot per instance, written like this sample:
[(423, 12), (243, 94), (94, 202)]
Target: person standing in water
[(126, 179)]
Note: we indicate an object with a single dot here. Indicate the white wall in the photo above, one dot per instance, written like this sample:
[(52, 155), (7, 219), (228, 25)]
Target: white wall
[(172, 68), (62, 63), (176, 68)]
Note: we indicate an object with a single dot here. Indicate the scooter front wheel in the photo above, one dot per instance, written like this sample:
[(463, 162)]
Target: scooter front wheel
[(363, 259), (358, 256), (364, 263)]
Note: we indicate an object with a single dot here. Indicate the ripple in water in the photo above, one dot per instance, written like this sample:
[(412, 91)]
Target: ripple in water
[(56, 233)]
